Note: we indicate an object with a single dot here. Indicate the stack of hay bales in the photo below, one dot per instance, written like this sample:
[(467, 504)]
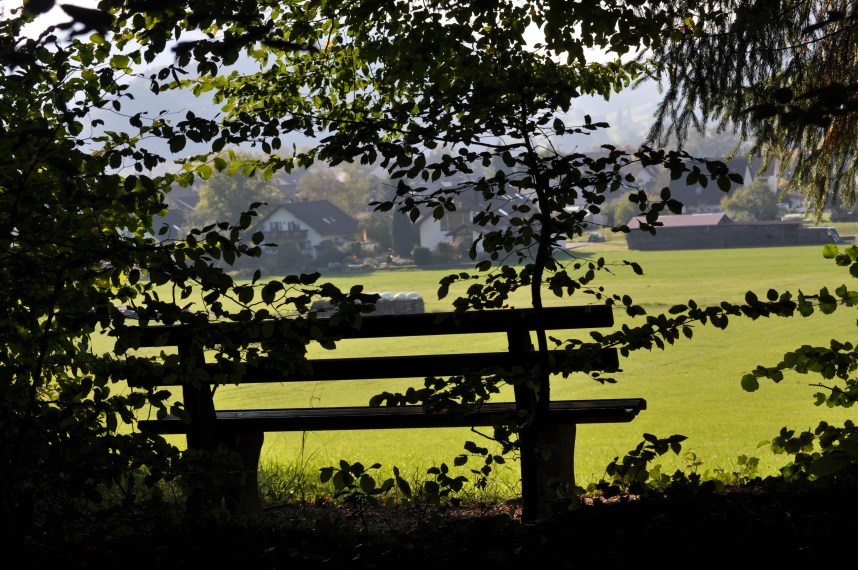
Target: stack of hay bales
[(415, 303), (387, 304), (400, 304)]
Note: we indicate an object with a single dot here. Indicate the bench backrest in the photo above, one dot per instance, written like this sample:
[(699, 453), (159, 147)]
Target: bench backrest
[(517, 324)]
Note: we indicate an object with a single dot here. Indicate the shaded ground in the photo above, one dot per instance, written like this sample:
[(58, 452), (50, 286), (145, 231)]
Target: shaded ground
[(734, 528)]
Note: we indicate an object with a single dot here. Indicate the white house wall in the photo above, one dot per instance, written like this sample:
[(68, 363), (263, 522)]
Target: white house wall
[(431, 234), (284, 217)]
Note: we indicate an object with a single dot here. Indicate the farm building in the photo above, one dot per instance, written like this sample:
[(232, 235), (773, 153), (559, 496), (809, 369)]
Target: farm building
[(717, 231)]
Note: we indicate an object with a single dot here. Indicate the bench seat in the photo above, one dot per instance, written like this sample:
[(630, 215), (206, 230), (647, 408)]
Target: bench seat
[(400, 417)]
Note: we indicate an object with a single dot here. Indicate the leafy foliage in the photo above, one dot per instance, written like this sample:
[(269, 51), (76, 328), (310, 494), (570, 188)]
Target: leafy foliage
[(78, 260), (355, 485), (230, 188), (74, 237), (836, 365), (633, 474), (783, 73)]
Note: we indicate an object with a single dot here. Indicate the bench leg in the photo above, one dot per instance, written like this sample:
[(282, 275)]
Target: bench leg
[(556, 472), (203, 498), (242, 495)]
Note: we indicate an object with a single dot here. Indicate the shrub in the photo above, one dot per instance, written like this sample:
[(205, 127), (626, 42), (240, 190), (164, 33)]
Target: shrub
[(422, 256)]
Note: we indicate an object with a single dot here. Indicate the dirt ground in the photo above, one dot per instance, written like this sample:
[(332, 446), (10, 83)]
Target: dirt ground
[(734, 528)]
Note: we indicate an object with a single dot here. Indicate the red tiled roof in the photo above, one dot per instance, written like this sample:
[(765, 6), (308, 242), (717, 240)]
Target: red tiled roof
[(684, 221)]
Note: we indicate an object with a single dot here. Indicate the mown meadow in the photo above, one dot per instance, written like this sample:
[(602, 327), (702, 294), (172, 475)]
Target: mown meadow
[(692, 388)]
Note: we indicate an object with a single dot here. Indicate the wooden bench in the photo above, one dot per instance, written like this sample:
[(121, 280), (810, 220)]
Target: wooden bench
[(243, 430)]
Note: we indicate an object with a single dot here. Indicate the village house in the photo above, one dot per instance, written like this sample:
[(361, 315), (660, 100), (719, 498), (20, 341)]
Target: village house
[(699, 199), (458, 227), (309, 224)]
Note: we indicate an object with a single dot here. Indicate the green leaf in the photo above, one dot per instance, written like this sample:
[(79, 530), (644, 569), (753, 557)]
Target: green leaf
[(831, 462), (402, 484), (750, 383), (431, 489), (367, 483), (120, 61), (805, 309), (270, 290), (177, 143), (245, 295)]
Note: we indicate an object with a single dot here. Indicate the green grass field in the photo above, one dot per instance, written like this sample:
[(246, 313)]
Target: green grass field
[(691, 388)]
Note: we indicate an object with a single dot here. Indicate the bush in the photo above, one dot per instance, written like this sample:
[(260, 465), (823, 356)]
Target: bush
[(620, 211), (422, 256), (447, 252)]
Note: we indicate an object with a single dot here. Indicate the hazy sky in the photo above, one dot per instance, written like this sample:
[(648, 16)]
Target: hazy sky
[(54, 16)]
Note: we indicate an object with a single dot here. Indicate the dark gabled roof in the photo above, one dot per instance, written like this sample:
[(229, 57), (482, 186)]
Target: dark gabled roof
[(474, 202), (696, 195), (320, 215)]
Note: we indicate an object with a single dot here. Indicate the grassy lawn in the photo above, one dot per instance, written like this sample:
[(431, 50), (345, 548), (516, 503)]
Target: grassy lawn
[(692, 388)]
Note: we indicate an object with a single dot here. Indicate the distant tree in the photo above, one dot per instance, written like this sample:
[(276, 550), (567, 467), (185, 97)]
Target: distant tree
[(620, 210), (755, 201), (348, 186), (841, 212), (422, 256), (232, 186), (404, 235), (377, 228)]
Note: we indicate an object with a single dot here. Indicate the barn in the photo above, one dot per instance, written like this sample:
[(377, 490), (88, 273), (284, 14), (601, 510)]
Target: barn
[(718, 231)]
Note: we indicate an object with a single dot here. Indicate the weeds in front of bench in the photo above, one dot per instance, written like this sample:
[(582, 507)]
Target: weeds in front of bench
[(361, 487), (288, 483), (635, 474)]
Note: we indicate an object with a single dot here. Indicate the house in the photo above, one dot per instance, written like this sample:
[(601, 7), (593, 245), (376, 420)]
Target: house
[(309, 224), (697, 198), (718, 231), (459, 227)]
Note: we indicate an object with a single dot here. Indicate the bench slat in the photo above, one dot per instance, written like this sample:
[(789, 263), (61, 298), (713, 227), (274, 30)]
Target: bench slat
[(424, 324), (351, 418), (420, 366)]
